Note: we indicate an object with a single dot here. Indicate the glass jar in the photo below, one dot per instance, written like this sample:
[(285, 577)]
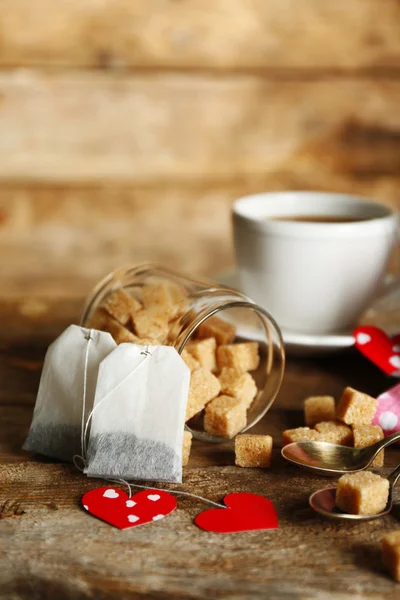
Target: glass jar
[(205, 299)]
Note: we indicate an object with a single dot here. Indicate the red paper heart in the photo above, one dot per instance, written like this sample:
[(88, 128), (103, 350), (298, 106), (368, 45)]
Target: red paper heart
[(115, 507), (396, 343), (244, 512), (382, 350)]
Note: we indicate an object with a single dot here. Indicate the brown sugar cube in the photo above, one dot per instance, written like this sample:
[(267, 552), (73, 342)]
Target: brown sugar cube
[(204, 352), (204, 386), (174, 329), (300, 434), (253, 450), (225, 416), (190, 361), (391, 553), (319, 408), (186, 447), (145, 342), (238, 385), (362, 493), (335, 433), (166, 296), (162, 294), (366, 435), (120, 333), (356, 408), (214, 327), (242, 357), (149, 325), (98, 319), (101, 320), (121, 306)]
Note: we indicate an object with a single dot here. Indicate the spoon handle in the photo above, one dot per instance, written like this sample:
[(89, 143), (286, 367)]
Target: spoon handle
[(394, 476), (390, 439)]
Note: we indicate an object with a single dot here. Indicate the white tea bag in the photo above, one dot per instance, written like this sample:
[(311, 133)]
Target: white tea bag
[(57, 419), (139, 415)]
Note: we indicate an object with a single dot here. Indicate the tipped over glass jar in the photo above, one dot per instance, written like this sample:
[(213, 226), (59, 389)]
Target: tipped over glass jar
[(233, 347)]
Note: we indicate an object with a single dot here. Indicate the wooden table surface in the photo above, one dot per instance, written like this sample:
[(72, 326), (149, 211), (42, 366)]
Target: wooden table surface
[(51, 549)]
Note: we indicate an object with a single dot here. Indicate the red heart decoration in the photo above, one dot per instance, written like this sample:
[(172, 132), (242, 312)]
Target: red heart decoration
[(244, 512), (396, 343), (115, 507), (382, 350)]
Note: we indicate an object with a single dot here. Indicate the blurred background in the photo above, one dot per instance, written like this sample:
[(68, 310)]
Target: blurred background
[(128, 127)]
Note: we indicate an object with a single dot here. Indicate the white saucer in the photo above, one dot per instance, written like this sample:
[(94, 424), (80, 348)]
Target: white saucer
[(384, 312), (300, 344)]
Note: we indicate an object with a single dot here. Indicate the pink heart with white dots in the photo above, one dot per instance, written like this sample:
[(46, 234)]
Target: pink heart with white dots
[(387, 414), (115, 507)]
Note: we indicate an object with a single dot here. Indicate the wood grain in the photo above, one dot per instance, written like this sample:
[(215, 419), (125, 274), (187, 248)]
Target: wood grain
[(198, 34), (82, 233), (305, 558), (94, 127), (60, 239), (50, 548)]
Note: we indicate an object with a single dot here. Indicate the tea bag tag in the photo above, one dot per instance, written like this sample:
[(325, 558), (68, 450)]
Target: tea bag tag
[(68, 380), (139, 415)]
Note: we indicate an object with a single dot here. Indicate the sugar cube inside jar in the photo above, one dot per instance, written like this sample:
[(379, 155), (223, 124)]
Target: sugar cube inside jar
[(232, 346)]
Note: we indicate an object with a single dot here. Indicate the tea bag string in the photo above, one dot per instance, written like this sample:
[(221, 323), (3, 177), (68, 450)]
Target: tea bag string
[(89, 339), (85, 425), (100, 402), (130, 485)]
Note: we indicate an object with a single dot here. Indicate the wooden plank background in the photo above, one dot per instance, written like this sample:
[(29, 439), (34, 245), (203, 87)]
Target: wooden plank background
[(204, 34), (127, 128)]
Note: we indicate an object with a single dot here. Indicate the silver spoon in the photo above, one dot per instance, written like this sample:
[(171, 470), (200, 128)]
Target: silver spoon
[(332, 459), (323, 502)]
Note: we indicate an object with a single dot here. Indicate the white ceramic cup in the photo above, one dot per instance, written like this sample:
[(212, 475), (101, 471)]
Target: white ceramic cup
[(313, 277)]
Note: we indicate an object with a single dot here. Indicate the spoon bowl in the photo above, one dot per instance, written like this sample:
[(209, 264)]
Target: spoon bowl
[(332, 459), (324, 502)]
